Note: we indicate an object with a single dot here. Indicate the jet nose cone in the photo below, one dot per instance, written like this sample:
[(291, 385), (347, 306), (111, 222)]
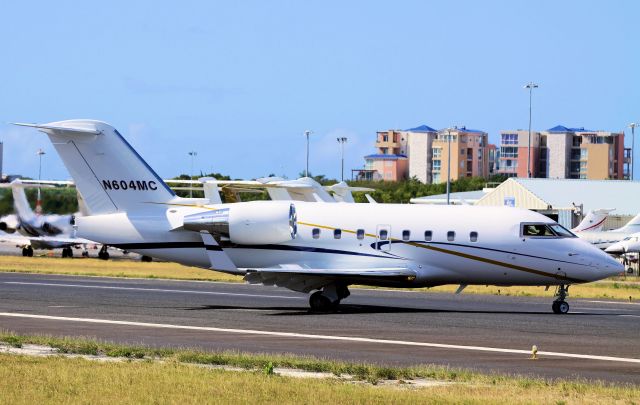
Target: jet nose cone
[(616, 248), (611, 267)]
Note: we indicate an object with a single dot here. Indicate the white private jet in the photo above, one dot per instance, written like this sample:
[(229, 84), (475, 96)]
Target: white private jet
[(316, 246), (604, 239), (593, 221), (279, 189), (29, 230), (630, 244)]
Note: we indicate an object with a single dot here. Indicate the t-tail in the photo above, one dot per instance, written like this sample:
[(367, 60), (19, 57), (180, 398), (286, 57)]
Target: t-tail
[(108, 172), (593, 221)]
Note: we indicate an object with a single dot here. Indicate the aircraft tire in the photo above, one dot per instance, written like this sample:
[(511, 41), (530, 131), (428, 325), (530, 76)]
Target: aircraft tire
[(30, 251), (560, 307), (319, 302), (146, 259), (25, 253), (69, 252), (64, 253)]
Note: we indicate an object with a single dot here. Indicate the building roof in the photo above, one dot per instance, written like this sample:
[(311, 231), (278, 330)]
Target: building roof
[(456, 198), (563, 193), (464, 129), (422, 128), (562, 128), (385, 157)]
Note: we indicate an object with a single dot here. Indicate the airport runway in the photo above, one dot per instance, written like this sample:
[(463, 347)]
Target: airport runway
[(597, 340)]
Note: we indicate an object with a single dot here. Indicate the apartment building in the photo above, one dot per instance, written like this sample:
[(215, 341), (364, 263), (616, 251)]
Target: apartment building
[(469, 154), (578, 153), (513, 153), (420, 152), (563, 153), (390, 162)]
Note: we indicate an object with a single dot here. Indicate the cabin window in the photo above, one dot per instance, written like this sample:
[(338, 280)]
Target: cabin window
[(360, 233), (383, 234), (315, 232), (428, 235), (406, 234), (337, 233), (451, 236), (473, 236)]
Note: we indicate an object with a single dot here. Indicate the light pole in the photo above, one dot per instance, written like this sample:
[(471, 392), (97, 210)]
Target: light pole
[(342, 140), (530, 86), (307, 133), (40, 152), (448, 164), (193, 154), (633, 126)]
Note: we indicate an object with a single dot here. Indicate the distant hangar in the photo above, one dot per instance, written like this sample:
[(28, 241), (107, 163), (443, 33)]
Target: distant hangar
[(564, 200)]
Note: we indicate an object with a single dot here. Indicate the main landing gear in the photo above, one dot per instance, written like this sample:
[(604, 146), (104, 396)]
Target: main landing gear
[(27, 251), (103, 254), (328, 300), (67, 252), (560, 306)]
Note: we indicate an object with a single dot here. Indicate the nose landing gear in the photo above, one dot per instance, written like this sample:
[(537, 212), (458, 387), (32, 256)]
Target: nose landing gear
[(559, 305)]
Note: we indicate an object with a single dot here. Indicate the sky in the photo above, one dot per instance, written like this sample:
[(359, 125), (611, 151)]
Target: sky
[(240, 81)]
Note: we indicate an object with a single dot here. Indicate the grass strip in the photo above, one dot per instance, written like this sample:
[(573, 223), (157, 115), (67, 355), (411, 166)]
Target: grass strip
[(616, 289), (175, 379)]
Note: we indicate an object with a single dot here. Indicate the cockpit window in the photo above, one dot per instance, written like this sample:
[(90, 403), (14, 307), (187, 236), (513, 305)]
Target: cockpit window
[(539, 230), (546, 231), (562, 231)]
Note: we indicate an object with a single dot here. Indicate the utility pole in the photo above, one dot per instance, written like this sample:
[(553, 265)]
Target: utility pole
[(448, 165), (40, 152), (193, 154), (530, 86), (342, 140), (633, 126), (306, 171)]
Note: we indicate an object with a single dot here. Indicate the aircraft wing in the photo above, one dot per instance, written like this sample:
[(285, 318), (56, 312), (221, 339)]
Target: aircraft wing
[(43, 242), (304, 279)]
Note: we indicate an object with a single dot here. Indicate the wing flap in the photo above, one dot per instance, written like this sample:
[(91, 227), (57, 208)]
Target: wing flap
[(303, 279)]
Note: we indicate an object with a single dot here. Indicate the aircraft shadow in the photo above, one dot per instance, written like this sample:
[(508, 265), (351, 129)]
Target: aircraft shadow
[(351, 309)]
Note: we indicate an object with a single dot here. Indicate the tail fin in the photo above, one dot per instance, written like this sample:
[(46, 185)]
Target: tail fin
[(20, 202), (108, 172), (632, 226), (593, 221)]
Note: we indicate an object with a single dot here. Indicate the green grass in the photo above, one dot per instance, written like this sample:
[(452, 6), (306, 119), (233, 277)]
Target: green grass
[(176, 379), (621, 290)]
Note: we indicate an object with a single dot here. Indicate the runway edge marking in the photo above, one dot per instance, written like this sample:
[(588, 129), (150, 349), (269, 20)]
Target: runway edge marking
[(320, 337)]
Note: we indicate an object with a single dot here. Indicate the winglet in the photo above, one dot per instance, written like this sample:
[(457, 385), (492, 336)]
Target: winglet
[(46, 127)]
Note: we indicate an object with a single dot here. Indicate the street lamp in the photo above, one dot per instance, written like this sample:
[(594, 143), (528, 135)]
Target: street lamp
[(448, 165), (40, 152), (193, 154), (633, 126), (307, 133), (342, 140), (530, 86)]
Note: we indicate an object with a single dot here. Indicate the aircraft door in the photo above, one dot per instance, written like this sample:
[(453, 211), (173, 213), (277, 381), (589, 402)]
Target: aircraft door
[(383, 238)]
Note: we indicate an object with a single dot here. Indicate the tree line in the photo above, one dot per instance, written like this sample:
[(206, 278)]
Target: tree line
[(64, 200)]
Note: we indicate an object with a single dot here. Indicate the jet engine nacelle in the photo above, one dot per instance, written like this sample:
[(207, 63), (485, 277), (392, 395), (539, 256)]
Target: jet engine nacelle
[(4, 227), (251, 223)]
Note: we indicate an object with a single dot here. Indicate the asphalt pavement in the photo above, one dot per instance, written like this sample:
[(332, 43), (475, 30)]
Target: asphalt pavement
[(598, 339)]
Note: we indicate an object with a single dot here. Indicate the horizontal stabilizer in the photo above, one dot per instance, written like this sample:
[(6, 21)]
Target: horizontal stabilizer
[(67, 129)]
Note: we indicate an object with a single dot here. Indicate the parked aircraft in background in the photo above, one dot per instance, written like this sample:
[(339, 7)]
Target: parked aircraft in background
[(279, 189), (311, 246), (630, 244), (604, 239), (593, 221), (29, 230)]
